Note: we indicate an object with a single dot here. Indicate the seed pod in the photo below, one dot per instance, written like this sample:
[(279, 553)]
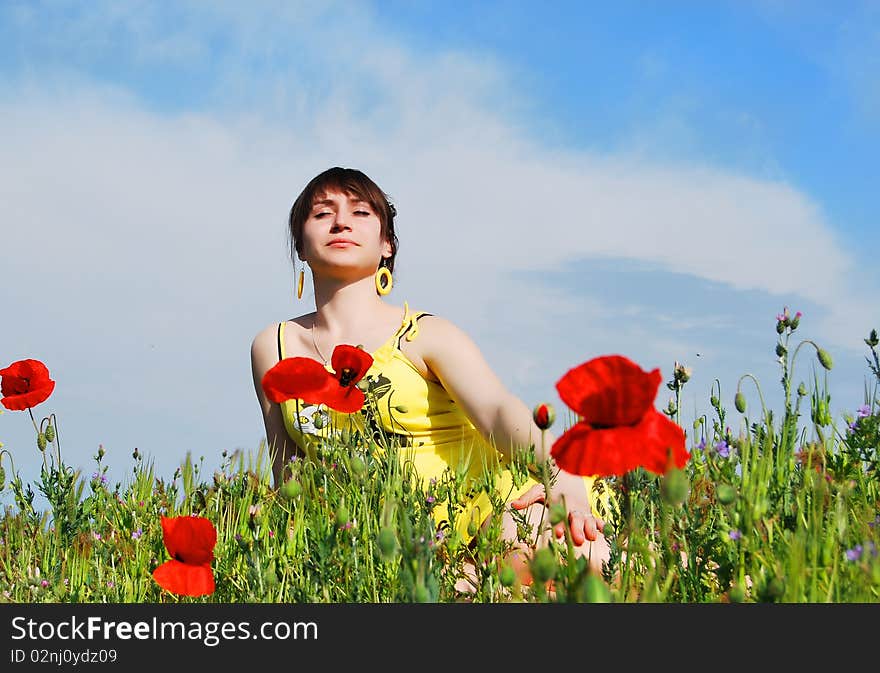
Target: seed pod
[(872, 339), (386, 541), (739, 401), (674, 488), (824, 359), (342, 516), (290, 489), (472, 528), (736, 594), (507, 576), (543, 565), (725, 493), (357, 466)]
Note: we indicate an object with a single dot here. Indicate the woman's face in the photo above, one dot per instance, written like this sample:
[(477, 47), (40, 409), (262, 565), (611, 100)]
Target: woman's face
[(342, 230)]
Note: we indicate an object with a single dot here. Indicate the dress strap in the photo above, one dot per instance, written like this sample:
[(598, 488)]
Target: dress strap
[(280, 341)]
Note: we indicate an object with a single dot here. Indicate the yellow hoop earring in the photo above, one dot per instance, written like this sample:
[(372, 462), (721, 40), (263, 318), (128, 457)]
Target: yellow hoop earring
[(299, 284), (383, 272)]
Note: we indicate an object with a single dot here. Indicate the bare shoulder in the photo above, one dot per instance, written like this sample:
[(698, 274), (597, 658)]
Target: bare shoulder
[(440, 336)]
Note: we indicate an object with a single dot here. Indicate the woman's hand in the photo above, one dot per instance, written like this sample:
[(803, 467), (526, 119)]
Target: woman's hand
[(583, 525)]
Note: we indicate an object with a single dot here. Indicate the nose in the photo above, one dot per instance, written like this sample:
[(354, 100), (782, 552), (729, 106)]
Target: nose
[(341, 221)]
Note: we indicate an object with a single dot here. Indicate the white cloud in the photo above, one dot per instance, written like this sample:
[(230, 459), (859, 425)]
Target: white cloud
[(147, 249)]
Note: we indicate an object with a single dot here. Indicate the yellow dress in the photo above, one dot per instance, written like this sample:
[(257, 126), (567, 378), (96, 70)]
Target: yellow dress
[(433, 430)]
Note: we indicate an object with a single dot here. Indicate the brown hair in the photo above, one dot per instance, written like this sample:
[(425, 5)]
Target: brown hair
[(351, 182)]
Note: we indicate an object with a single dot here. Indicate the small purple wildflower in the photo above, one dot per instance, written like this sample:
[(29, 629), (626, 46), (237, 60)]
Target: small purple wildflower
[(66, 581), (97, 536), (271, 533), (137, 534), (429, 499), (440, 536), (863, 411), (735, 534), (140, 503), (44, 583), (723, 449), (855, 553), (702, 445), (110, 584)]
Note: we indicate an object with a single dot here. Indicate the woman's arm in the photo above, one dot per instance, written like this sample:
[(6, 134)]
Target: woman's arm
[(264, 355), (497, 414)]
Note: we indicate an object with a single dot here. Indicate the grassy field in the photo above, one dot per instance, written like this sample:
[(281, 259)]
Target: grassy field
[(784, 507)]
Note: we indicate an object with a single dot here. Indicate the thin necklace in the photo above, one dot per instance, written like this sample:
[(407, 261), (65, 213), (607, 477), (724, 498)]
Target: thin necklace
[(326, 361)]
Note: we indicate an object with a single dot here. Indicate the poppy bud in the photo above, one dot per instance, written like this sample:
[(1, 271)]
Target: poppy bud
[(780, 350), (725, 493), (824, 358), (558, 514), (357, 466), (595, 590), (507, 576), (802, 390), (472, 528), (544, 415), (736, 594), (872, 339), (543, 565), (41, 441), (386, 541), (50, 433), (2, 478), (714, 401), (674, 488), (697, 423), (739, 401), (290, 489), (341, 515), (318, 421)]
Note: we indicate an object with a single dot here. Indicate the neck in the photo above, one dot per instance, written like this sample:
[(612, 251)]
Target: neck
[(346, 308)]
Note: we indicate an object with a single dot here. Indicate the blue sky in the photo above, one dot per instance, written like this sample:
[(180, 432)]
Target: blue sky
[(654, 179)]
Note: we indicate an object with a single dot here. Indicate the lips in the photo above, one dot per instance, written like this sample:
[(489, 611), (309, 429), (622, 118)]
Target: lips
[(340, 241)]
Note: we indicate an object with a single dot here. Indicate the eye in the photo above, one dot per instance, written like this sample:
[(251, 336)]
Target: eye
[(362, 212), (320, 215)]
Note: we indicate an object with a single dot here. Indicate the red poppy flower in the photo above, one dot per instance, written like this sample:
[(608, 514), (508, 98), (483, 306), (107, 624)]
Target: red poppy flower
[(190, 542), (309, 381), (25, 384), (619, 428)]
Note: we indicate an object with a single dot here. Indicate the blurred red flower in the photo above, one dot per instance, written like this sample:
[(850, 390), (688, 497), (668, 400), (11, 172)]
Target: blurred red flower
[(190, 542), (309, 380), (25, 384), (619, 428)]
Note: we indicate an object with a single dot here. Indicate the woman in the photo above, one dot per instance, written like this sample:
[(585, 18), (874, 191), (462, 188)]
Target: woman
[(439, 394)]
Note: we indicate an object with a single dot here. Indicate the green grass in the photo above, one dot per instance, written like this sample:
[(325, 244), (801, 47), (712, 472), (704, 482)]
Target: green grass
[(786, 511)]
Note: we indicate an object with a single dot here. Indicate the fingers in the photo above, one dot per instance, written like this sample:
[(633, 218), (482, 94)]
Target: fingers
[(583, 527), (530, 497)]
